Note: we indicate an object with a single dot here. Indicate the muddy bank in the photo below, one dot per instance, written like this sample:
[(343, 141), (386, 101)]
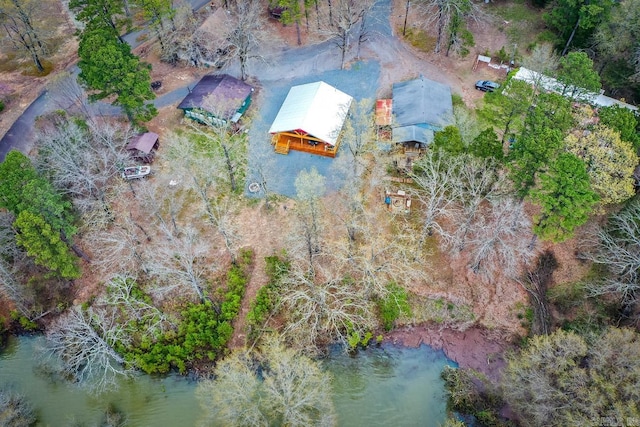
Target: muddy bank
[(474, 348)]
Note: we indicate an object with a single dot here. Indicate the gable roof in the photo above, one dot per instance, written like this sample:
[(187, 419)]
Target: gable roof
[(422, 101), (217, 92), (144, 142), (315, 108)]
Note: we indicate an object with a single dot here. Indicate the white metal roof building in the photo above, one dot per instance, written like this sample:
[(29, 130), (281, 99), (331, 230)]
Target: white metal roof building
[(553, 85), (315, 109)]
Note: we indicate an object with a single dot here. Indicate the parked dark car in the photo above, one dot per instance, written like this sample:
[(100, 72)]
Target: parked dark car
[(486, 85)]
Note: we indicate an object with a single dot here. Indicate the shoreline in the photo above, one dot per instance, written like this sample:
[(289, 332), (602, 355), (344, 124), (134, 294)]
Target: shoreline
[(473, 348)]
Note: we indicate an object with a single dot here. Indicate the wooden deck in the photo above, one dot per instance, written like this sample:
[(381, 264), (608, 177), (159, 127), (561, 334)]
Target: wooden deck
[(282, 143)]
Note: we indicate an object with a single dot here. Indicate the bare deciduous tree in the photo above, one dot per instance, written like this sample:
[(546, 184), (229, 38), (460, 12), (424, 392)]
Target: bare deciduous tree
[(617, 248), (22, 23), (271, 386), (245, 33), (180, 263), (262, 167), (82, 161), (310, 187), (345, 16), (121, 295), (475, 181), (500, 240), (447, 13), (223, 139), (435, 178), (323, 307), (120, 247), (203, 172), (83, 344)]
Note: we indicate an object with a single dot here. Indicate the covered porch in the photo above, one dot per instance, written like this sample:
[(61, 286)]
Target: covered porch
[(285, 141)]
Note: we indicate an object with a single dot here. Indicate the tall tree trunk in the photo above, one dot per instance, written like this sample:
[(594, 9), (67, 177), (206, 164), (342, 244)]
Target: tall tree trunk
[(440, 29), (573, 33), (344, 45), (230, 168), (361, 34), (406, 14)]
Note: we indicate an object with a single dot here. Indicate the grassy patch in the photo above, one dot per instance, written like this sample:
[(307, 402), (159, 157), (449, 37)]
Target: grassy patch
[(419, 39), (31, 70), (520, 22), (437, 310), (9, 63)]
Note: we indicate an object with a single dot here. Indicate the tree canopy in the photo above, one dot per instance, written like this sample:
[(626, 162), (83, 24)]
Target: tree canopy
[(622, 120), (573, 21), (565, 196), (272, 386), (506, 109), (611, 162), (564, 379), (577, 75), (449, 140), (44, 222), (105, 14), (487, 144), (109, 68)]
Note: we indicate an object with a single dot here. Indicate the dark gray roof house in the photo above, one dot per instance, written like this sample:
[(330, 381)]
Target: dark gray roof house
[(217, 98), (420, 108)]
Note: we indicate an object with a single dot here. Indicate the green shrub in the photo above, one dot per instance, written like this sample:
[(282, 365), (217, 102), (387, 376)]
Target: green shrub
[(501, 55), (1, 106), (267, 297), (201, 335), (470, 392), (24, 322), (393, 305)]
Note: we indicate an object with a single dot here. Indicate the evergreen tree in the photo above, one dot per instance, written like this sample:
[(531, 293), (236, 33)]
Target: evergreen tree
[(105, 14), (450, 140), (44, 222), (565, 197), (622, 120), (577, 75), (45, 245), (486, 145), (109, 68)]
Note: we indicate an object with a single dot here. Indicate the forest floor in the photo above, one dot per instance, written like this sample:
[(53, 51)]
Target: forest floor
[(479, 348)]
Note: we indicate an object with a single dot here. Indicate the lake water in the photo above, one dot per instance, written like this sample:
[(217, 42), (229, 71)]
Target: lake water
[(387, 386)]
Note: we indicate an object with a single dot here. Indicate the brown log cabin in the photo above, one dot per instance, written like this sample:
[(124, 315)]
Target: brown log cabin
[(310, 120)]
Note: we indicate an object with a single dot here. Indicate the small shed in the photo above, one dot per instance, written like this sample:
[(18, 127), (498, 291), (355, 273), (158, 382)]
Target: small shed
[(217, 99), (311, 119), (142, 147), (420, 108)]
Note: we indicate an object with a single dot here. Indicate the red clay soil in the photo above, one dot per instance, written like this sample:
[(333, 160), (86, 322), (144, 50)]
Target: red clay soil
[(473, 348)]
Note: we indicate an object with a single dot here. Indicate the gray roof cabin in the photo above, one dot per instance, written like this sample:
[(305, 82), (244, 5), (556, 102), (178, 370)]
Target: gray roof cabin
[(420, 108)]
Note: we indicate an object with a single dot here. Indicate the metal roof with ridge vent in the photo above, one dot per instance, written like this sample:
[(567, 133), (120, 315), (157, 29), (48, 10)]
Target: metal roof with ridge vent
[(420, 107), (317, 109)]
